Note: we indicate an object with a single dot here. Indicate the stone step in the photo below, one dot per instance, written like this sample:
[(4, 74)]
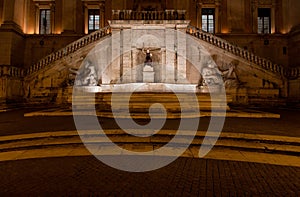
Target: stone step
[(140, 102), (150, 98), (238, 141)]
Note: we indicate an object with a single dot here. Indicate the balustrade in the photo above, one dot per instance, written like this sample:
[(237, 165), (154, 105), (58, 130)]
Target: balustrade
[(223, 44), (149, 15), (71, 48)]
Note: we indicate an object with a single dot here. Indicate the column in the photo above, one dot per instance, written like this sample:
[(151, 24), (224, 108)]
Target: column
[(224, 18), (273, 17), (170, 56), (163, 65), (254, 15), (247, 16), (134, 65), (8, 11), (217, 17), (115, 66), (181, 57), (11, 19), (126, 53), (102, 14), (199, 15), (106, 66)]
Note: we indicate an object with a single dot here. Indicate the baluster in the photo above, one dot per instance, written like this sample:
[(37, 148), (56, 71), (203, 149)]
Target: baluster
[(260, 62), (241, 53), (248, 56), (212, 40), (256, 60), (265, 65), (229, 47), (253, 57)]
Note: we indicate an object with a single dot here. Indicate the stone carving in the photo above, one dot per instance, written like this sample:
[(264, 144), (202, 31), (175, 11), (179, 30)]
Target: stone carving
[(211, 75), (229, 75), (148, 60), (86, 76)]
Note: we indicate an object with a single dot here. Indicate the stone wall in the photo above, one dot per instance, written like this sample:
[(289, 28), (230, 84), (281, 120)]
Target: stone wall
[(272, 47), (39, 46), (12, 47), (294, 47)]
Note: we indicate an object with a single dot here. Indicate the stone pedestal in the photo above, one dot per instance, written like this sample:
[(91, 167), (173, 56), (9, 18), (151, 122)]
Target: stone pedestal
[(148, 74)]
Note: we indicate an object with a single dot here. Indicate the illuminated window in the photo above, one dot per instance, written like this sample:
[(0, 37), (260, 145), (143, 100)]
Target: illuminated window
[(94, 20), (208, 20), (264, 20), (45, 21)]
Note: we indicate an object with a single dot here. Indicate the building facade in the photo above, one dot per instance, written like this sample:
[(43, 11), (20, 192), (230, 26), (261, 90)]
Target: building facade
[(32, 29)]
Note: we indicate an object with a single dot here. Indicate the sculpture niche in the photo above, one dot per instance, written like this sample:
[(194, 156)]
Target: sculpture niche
[(148, 70)]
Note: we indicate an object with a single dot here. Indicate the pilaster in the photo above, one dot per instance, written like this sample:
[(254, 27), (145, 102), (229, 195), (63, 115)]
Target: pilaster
[(69, 17)]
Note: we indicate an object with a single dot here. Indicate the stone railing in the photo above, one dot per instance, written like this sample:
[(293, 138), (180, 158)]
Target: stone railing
[(71, 48), (238, 51), (290, 73), (149, 15), (10, 71), (293, 73)]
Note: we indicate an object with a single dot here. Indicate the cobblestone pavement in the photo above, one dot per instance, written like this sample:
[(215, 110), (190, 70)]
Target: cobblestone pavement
[(184, 177)]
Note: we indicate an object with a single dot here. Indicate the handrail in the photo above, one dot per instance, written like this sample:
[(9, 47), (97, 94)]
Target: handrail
[(238, 51), (71, 48)]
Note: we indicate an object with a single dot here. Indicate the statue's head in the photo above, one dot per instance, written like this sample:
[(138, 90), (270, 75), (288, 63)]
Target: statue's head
[(210, 64), (148, 51)]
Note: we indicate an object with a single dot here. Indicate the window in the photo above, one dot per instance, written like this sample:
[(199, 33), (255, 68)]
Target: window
[(264, 20), (208, 20), (45, 19), (94, 20)]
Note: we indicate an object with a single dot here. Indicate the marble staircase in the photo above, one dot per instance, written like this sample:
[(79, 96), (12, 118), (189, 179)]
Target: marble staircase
[(125, 105)]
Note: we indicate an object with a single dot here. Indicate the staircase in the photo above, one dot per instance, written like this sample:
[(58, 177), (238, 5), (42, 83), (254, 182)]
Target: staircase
[(138, 104), (46, 77), (279, 150)]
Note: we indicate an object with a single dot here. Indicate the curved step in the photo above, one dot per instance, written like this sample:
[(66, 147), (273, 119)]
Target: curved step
[(236, 141)]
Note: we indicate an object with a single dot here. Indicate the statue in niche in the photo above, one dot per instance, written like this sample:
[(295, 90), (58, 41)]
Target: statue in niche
[(229, 75), (86, 76), (148, 60), (211, 75)]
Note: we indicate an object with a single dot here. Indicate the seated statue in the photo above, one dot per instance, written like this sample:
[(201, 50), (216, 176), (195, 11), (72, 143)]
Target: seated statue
[(86, 76), (229, 75), (211, 75)]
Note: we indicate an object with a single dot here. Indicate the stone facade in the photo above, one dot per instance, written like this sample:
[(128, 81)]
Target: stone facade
[(35, 64)]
